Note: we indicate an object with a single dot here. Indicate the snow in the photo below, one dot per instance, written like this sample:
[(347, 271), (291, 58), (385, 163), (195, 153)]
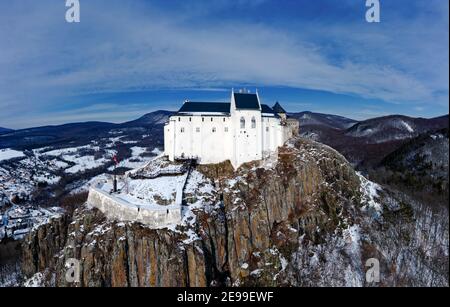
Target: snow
[(149, 191), (68, 151), (48, 178), (8, 154), (256, 273), (408, 127), (370, 191), (18, 220), (35, 281), (74, 155), (136, 160), (137, 151), (84, 163), (352, 238)]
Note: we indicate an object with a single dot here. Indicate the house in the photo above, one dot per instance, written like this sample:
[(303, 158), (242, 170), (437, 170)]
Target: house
[(241, 130)]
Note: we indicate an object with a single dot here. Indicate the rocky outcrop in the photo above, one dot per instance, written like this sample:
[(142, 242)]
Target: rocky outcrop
[(303, 217)]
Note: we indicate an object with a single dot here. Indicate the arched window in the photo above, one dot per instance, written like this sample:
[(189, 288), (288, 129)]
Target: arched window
[(182, 130), (242, 123), (214, 129), (253, 122)]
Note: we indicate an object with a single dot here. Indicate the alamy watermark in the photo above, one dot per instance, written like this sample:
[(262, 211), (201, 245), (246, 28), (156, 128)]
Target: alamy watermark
[(72, 270), (73, 11), (373, 14), (373, 271)]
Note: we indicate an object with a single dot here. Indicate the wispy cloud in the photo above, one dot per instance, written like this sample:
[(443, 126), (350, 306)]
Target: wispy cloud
[(143, 45)]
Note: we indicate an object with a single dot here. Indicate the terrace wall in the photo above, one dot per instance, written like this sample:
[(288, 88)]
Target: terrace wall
[(119, 209)]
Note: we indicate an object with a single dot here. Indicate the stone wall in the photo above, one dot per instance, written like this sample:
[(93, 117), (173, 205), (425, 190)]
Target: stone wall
[(119, 209)]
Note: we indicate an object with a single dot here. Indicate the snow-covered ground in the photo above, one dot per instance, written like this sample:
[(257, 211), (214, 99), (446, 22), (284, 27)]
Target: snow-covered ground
[(17, 221), (137, 158), (79, 160), (144, 192), (7, 154)]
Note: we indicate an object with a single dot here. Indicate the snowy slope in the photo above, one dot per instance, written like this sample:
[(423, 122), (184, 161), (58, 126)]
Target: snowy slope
[(7, 154)]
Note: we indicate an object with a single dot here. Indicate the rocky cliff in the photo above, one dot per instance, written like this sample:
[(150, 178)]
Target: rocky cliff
[(300, 218)]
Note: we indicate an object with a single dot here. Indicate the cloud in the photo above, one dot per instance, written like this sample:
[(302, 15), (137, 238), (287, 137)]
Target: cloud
[(139, 45)]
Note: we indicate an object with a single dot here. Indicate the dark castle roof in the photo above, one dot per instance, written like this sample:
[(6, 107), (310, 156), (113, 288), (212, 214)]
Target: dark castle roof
[(278, 108), (213, 107), (243, 101), (266, 109), (246, 101)]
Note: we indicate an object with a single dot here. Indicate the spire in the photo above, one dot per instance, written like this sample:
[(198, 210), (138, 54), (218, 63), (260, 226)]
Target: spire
[(278, 108)]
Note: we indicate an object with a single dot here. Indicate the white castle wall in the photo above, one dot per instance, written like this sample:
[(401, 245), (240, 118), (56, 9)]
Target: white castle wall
[(248, 141), (216, 137), (121, 210), (207, 137)]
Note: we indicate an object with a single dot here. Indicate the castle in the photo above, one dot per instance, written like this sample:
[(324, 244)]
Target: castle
[(241, 130)]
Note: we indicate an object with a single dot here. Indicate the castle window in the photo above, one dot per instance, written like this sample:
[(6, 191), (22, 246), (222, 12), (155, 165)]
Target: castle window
[(197, 129), (267, 129), (179, 119), (182, 130), (190, 119), (224, 119), (242, 123), (211, 119), (226, 129), (214, 129), (203, 119), (253, 122)]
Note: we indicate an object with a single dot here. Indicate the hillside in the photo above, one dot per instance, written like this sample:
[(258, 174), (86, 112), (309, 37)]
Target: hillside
[(395, 127), (154, 118), (5, 130), (325, 120), (83, 133), (419, 167), (366, 143), (303, 219)]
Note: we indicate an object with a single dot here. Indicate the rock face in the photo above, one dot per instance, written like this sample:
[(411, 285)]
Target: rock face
[(302, 218)]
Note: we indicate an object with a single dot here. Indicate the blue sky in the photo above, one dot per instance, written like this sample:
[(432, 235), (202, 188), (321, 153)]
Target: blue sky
[(129, 57)]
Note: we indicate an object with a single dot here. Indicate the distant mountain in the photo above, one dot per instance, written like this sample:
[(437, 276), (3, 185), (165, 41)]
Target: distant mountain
[(420, 166), (395, 127), (52, 135), (79, 133), (367, 142), (325, 120), (154, 118), (5, 130), (428, 151)]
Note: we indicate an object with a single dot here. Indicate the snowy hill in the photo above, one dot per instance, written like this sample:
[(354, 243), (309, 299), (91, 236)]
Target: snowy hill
[(154, 118), (325, 120), (419, 168), (367, 142), (395, 127)]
